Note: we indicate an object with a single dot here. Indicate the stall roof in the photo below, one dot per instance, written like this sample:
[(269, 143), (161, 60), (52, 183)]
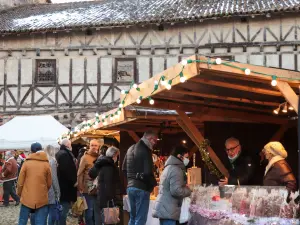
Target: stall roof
[(22, 131), (212, 92)]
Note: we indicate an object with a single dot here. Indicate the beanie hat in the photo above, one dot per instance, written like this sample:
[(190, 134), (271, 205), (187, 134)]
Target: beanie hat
[(276, 148), (36, 147)]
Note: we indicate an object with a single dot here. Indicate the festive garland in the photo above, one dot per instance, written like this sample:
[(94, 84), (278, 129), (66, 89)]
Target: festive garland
[(206, 159), (86, 125)]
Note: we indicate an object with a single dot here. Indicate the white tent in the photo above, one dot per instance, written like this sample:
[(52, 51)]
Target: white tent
[(22, 131)]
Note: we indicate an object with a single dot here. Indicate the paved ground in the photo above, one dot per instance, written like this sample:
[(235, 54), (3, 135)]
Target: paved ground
[(10, 215)]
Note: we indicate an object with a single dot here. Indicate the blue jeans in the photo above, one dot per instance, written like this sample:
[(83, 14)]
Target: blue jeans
[(52, 214), (66, 207), (92, 214), (139, 203), (167, 222), (39, 217)]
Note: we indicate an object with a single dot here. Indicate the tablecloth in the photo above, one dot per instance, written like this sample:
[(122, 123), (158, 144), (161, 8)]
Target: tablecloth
[(150, 219)]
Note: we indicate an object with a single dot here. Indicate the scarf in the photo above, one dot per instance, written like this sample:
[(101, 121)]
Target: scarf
[(272, 162), (147, 142)]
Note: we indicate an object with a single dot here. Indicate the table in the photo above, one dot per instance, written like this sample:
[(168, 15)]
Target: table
[(150, 219)]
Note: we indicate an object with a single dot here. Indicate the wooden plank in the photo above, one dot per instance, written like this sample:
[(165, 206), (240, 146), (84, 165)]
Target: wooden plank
[(279, 134), (197, 138), (256, 90), (216, 104), (288, 94), (225, 98), (287, 75), (133, 135)]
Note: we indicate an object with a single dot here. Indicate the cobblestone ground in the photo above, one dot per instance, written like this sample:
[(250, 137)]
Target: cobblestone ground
[(10, 215)]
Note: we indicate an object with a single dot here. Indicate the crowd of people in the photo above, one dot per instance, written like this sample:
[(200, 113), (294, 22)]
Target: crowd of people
[(50, 181)]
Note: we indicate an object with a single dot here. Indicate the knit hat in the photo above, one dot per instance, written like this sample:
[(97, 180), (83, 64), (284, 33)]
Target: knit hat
[(276, 148), (36, 147)]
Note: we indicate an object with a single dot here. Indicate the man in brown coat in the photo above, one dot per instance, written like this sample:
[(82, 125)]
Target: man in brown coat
[(8, 176), (34, 183), (84, 181)]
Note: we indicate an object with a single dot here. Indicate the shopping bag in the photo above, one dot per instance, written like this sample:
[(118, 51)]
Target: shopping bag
[(79, 206), (111, 215), (58, 211), (185, 210)]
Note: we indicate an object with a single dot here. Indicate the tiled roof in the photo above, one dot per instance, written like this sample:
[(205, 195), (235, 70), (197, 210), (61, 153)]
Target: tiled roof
[(129, 12)]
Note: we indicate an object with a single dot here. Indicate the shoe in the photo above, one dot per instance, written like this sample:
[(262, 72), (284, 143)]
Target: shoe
[(17, 203)]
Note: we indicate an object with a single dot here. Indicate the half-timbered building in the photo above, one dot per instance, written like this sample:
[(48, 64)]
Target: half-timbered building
[(73, 59)]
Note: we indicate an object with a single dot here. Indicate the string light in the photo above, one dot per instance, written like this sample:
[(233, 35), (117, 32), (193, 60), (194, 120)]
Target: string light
[(184, 62), (103, 117), (182, 77), (151, 101), (139, 100), (96, 114), (247, 71), (123, 92), (156, 82), (119, 112), (218, 61), (135, 85), (169, 86), (274, 81)]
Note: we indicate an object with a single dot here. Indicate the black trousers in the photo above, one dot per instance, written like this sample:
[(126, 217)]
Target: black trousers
[(9, 189)]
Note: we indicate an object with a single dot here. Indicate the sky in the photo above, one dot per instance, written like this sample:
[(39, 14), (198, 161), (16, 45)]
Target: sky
[(61, 1)]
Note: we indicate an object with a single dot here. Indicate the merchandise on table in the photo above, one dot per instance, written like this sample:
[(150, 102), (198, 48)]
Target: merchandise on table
[(244, 205)]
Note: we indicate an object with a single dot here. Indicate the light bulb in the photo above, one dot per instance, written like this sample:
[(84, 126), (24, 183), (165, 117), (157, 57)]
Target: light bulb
[(96, 123), (120, 105), (138, 101), (155, 82), (163, 82), (284, 110), (151, 102), (169, 86), (247, 71), (135, 85), (218, 61), (123, 92), (276, 111), (105, 123), (184, 62), (103, 116), (95, 126), (291, 107), (274, 82), (182, 79), (96, 114)]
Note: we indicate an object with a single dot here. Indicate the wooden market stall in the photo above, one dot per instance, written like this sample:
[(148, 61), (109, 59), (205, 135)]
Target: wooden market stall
[(201, 89)]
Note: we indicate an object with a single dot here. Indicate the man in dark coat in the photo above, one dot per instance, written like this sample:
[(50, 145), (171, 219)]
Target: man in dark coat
[(138, 168), (67, 178), (242, 167), (108, 188)]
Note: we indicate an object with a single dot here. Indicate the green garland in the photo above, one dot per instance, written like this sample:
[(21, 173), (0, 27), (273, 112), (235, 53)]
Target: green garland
[(206, 159)]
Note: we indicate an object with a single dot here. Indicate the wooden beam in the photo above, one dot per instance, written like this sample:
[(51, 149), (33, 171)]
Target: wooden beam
[(288, 94), (216, 104), (133, 135), (225, 98), (256, 90), (287, 75), (192, 131), (283, 128)]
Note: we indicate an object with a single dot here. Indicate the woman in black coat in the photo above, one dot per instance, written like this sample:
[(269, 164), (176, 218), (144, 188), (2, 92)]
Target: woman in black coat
[(108, 178)]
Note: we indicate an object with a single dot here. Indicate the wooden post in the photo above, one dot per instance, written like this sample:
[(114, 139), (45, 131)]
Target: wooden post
[(288, 94), (133, 135), (187, 125), (279, 134)]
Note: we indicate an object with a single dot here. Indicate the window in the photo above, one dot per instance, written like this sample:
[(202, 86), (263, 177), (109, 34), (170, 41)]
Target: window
[(45, 71)]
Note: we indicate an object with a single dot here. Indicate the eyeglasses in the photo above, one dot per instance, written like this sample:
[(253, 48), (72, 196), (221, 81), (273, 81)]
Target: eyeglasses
[(231, 149)]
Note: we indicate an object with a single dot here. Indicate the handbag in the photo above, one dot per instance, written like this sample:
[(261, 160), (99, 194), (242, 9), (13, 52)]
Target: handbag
[(185, 210), (111, 215), (93, 187), (79, 206)]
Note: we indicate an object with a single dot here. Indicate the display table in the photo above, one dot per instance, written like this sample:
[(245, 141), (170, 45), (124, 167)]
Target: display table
[(150, 219)]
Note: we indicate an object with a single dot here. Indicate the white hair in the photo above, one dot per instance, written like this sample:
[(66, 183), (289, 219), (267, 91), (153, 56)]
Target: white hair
[(111, 151), (65, 142)]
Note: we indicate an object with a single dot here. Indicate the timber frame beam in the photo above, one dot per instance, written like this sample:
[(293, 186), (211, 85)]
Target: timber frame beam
[(195, 135), (288, 94)]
